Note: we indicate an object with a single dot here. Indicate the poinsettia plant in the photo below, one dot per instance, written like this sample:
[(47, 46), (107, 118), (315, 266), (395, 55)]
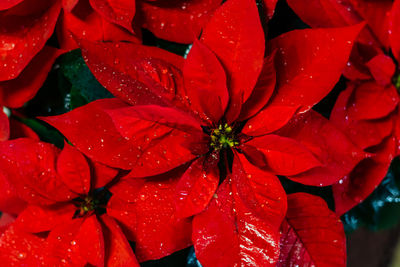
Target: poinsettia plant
[(192, 132)]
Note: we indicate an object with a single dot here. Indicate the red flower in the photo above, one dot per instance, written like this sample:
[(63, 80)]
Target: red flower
[(368, 109), (226, 101), (66, 197)]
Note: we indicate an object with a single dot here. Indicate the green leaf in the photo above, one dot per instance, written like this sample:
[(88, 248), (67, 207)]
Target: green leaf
[(381, 210)]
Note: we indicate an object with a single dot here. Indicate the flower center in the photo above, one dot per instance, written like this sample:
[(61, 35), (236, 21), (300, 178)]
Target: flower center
[(95, 202), (223, 137)]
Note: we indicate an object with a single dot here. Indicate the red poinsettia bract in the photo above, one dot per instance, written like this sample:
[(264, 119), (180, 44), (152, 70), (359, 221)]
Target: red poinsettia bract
[(368, 109), (66, 198), (235, 117)]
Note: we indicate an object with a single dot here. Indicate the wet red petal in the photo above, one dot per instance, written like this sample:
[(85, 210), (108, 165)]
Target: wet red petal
[(149, 217), (30, 166), (270, 119), (74, 170), (309, 63), (262, 91), (281, 155), (36, 219), (196, 186), (120, 12), (18, 248), (240, 225), (205, 82), (329, 145), (118, 252), (372, 101), (68, 5), (6, 4), (312, 234), (364, 178), (23, 37), (92, 131), (9, 200), (102, 175), (91, 242), (238, 41), (178, 21)]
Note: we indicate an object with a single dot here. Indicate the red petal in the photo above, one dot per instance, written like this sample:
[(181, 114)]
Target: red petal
[(269, 7), (18, 130), (394, 29), (139, 75), (92, 131), (64, 247), (178, 21), (68, 5), (196, 186), (312, 234), (120, 12), (36, 219), (282, 156), (23, 37), (74, 170), (364, 178), (6, 4), (18, 248), (331, 147), (6, 220), (4, 126), (29, 166), (118, 250), (309, 63), (159, 135), (205, 82), (372, 101), (14, 93), (9, 200), (382, 69), (91, 242), (149, 217), (262, 91), (238, 41), (240, 225), (364, 133), (102, 175), (270, 119)]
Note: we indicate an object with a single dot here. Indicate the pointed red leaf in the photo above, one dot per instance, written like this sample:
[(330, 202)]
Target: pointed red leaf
[(30, 166), (148, 215), (309, 63), (68, 5), (270, 119), (364, 178), (137, 74), (19, 130), (205, 82), (394, 29), (312, 234), (91, 242), (74, 170), (23, 37), (36, 219), (118, 252), (280, 155), (161, 136), (372, 101), (238, 41), (18, 248), (240, 225), (102, 175), (14, 93), (9, 200), (364, 133), (329, 145), (263, 90), (120, 12), (91, 130), (178, 21), (196, 186)]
